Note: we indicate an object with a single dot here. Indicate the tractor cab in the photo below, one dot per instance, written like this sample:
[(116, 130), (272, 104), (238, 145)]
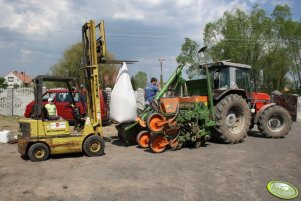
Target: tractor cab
[(227, 75)]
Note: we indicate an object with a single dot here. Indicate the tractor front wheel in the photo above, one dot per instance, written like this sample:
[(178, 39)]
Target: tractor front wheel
[(275, 122)]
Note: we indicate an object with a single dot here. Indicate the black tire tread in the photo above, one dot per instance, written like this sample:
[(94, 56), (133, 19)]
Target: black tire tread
[(262, 123), (33, 147), (87, 142), (219, 132)]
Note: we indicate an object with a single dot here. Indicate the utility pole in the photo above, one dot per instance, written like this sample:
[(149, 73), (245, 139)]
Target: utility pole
[(161, 76)]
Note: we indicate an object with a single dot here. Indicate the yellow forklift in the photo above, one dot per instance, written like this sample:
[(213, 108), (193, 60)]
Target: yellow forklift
[(42, 135)]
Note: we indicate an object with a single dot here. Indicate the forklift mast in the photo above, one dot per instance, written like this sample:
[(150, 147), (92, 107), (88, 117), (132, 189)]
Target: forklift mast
[(94, 51)]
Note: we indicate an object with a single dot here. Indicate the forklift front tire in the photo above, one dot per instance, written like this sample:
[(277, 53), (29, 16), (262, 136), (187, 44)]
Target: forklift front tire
[(38, 152), (94, 145)]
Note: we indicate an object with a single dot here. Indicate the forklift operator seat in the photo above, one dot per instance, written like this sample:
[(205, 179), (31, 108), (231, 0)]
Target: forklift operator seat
[(46, 117)]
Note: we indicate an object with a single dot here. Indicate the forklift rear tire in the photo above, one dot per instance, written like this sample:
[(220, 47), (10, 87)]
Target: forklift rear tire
[(38, 152), (94, 145)]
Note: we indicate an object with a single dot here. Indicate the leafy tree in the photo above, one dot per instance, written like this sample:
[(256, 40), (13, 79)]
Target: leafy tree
[(240, 37), (140, 80), (133, 82), (275, 65), (289, 33), (71, 62), (189, 56), (69, 65), (271, 43), (108, 72), (3, 84), (16, 86)]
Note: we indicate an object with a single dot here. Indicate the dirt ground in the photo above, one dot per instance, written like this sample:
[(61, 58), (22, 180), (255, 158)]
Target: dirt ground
[(215, 172)]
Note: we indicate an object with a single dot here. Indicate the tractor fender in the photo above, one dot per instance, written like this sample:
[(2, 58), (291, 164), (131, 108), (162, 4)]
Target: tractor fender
[(219, 94), (261, 111)]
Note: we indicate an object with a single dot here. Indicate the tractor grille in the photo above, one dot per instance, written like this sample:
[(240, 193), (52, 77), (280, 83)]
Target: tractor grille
[(25, 129)]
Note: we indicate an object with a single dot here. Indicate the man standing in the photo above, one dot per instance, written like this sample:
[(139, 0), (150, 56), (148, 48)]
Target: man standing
[(150, 91), (51, 108)]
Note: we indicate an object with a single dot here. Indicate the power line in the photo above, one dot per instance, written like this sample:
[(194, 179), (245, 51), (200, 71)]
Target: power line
[(131, 35)]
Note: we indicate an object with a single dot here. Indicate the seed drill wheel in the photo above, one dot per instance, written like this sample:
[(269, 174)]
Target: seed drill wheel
[(233, 119), (143, 139), (94, 145), (38, 152), (154, 122), (275, 122), (158, 143)]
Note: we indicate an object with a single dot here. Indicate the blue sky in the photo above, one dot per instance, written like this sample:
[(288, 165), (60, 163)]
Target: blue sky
[(35, 33)]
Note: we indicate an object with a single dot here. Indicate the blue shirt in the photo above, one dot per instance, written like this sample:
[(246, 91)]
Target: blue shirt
[(150, 91)]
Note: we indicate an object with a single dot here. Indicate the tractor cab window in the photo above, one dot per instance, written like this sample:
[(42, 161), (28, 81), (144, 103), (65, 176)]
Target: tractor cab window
[(242, 79), (224, 78), (221, 78)]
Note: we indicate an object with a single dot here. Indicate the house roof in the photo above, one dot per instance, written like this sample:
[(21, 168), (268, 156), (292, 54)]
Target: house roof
[(23, 77)]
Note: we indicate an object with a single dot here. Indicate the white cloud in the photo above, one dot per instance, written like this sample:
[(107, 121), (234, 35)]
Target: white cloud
[(42, 29), (33, 18), (181, 3), (128, 16), (258, 1)]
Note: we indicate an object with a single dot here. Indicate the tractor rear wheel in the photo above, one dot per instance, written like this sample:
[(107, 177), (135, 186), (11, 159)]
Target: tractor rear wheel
[(158, 143), (143, 139), (275, 122), (233, 118)]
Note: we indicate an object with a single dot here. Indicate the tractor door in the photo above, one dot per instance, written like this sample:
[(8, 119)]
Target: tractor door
[(242, 79)]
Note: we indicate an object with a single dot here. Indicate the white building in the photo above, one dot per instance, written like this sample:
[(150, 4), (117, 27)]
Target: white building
[(17, 78)]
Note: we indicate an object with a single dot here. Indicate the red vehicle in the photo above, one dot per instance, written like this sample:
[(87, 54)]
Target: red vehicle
[(62, 99)]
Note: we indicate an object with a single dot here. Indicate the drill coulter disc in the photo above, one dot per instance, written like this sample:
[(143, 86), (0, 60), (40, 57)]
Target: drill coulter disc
[(143, 139), (158, 143), (155, 122)]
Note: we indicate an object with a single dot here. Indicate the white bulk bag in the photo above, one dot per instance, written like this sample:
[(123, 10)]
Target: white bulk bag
[(123, 107), (4, 136)]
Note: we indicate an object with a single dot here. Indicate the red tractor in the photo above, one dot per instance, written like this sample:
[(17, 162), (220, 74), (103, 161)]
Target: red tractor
[(237, 107)]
